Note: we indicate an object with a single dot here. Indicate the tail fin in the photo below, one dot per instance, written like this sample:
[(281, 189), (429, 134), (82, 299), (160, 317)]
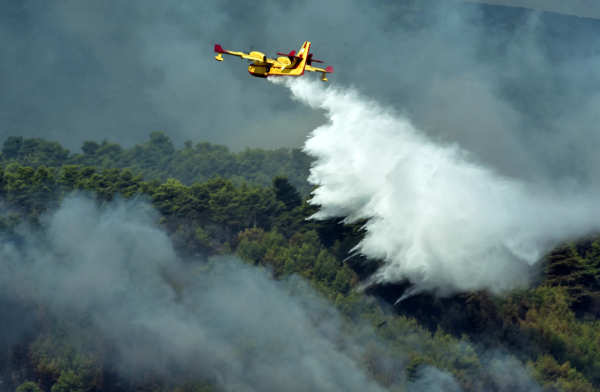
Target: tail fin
[(303, 52)]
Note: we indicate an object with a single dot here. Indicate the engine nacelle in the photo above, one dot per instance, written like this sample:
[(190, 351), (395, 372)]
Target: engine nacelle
[(257, 54)]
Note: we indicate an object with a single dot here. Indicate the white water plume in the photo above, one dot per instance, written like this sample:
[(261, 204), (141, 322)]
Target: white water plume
[(435, 216)]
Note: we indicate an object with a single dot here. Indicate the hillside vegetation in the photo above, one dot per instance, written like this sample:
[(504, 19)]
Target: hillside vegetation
[(214, 202), (158, 159)]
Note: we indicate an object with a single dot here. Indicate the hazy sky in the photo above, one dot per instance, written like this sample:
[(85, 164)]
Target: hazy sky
[(584, 8), (517, 88)]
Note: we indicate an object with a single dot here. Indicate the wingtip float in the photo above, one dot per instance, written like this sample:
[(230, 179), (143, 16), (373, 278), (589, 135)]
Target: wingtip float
[(287, 65)]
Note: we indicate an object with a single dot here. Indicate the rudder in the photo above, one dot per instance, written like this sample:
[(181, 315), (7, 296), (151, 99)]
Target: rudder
[(303, 52)]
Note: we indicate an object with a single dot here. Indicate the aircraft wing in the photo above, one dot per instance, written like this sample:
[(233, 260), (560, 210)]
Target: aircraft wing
[(243, 55), (315, 69)]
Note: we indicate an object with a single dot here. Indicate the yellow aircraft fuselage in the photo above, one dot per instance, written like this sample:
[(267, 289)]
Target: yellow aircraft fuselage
[(292, 64)]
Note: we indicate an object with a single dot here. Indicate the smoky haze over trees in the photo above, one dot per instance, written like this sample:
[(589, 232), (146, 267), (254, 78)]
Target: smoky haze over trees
[(108, 292), (517, 88), (176, 265), (113, 270)]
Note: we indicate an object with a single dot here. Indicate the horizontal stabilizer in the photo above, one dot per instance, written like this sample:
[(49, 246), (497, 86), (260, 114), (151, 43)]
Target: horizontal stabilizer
[(310, 60), (290, 55)]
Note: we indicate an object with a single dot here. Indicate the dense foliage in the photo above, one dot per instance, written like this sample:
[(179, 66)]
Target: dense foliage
[(159, 159), (552, 329)]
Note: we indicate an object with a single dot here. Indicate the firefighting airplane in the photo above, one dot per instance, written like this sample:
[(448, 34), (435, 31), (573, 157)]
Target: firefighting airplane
[(290, 65)]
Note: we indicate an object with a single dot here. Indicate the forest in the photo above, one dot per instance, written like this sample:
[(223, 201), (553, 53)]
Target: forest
[(254, 205)]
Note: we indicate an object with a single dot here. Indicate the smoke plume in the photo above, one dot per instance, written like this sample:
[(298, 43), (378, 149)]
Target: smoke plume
[(435, 216), (110, 280), (112, 273)]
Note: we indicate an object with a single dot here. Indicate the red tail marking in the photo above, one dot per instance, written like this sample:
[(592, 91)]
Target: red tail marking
[(291, 56)]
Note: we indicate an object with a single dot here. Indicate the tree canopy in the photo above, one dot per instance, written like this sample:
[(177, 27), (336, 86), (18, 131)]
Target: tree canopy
[(213, 202)]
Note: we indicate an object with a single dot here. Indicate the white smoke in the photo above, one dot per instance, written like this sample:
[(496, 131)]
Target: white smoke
[(435, 216), (113, 273), (109, 275)]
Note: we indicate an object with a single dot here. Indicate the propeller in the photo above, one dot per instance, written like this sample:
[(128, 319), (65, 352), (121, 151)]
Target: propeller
[(250, 48)]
